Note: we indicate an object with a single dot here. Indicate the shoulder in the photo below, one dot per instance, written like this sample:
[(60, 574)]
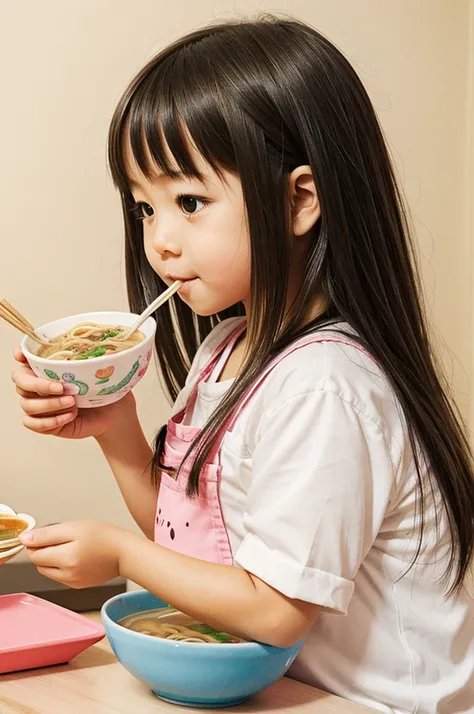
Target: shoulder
[(330, 362), (326, 401)]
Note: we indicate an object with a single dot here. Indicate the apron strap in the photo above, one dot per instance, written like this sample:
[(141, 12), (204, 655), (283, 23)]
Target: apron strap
[(310, 339), (218, 359)]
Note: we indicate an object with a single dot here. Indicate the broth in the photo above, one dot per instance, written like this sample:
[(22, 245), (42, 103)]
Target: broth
[(11, 526)]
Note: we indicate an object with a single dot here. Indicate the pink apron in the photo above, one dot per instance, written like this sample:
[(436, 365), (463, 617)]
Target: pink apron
[(195, 526)]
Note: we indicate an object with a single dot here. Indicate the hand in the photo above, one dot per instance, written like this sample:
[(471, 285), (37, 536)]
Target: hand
[(79, 554), (49, 411)]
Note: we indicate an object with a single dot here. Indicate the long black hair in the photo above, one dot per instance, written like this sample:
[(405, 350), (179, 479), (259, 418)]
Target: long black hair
[(260, 98)]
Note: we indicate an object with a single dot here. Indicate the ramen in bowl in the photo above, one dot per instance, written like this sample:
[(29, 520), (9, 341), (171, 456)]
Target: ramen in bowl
[(170, 624), (86, 353), (88, 340), (187, 668)]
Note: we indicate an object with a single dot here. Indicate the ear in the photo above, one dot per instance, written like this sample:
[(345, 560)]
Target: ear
[(304, 201)]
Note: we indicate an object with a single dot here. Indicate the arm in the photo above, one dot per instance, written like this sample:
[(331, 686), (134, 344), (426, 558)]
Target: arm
[(115, 427), (224, 596), (309, 526), (129, 456), (84, 553)]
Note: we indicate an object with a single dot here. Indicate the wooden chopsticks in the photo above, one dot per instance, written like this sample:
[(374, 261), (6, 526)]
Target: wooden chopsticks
[(16, 319)]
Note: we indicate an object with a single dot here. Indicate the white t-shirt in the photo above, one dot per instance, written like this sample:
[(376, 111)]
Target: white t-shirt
[(318, 493)]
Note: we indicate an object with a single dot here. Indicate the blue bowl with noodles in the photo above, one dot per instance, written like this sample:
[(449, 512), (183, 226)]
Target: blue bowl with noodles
[(194, 674), (99, 375)]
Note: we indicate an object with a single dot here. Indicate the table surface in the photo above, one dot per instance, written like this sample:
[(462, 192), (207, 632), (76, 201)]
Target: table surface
[(95, 683)]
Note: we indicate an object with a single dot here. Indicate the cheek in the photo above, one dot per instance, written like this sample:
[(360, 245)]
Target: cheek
[(225, 273), (227, 254), (230, 276), (225, 264)]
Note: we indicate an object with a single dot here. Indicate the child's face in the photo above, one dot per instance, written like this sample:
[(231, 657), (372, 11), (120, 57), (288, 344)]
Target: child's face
[(196, 232)]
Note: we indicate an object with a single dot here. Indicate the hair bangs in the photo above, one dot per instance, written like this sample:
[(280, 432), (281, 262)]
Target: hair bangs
[(169, 111)]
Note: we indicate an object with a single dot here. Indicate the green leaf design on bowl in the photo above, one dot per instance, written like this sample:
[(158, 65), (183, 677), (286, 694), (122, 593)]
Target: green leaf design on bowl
[(52, 375), (83, 387), (115, 387)]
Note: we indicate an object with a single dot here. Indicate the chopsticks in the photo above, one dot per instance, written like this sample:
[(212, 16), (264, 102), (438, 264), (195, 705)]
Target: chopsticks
[(16, 319), (158, 302)]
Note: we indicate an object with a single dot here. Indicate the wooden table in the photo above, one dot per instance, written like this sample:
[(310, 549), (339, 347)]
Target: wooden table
[(95, 683)]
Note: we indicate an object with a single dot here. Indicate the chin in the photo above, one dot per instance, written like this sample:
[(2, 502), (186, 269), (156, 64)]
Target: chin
[(207, 309), (207, 312), (206, 301)]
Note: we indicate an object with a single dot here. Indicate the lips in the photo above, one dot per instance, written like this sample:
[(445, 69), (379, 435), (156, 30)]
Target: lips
[(177, 277), (185, 288)]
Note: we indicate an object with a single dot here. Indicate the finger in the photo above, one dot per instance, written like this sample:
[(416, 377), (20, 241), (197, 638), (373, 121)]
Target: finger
[(54, 574), (67, 391), (57, 534), (49, 557), (18, 355), (25, 379), (39, 407), (22, 393), (42, 425), (27, 395)]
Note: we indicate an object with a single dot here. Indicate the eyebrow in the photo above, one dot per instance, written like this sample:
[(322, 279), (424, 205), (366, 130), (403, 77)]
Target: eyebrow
[(172, 176)]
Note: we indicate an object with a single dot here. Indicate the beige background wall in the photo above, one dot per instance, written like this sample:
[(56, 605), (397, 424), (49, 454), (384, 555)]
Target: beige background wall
[(63, 64)]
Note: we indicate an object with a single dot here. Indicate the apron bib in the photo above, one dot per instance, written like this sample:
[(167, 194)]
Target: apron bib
[(195, 526)]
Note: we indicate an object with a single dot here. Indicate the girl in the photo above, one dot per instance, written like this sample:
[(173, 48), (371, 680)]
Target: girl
[(313, 480)]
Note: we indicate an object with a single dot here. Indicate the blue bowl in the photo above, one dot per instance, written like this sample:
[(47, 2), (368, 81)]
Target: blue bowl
[(187, 673)]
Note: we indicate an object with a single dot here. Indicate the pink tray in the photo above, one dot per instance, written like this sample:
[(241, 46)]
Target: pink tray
[(36, 633)]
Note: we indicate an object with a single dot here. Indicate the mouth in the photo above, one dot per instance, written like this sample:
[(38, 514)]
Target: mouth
[(185, 281), (173, 278)]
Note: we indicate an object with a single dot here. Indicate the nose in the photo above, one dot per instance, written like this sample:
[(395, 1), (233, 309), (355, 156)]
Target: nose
[(165, 240)]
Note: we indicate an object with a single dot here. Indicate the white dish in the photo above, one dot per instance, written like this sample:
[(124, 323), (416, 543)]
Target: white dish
[(8, 549), (6, 555), (13, 542)]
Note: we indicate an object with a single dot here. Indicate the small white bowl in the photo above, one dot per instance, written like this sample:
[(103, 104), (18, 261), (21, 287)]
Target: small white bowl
[(6, 555), (102, 380), (10, 548), (13, 542), (6, 509)]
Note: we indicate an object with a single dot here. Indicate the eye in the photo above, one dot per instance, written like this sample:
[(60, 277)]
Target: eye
[(191, 204), (142, 210)]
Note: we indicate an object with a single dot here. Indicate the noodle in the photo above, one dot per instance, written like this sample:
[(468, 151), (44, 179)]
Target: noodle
[(88, 340), (170, 624)]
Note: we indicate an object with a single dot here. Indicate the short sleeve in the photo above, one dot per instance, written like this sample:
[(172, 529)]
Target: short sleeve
[(321, 483)]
